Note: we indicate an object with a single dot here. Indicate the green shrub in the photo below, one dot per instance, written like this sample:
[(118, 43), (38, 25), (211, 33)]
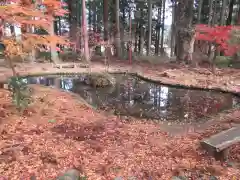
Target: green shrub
[(68, 55), (223, 61), (20, 93), (44, 55)]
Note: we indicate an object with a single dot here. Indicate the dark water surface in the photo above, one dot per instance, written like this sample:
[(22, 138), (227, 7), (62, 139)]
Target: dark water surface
[(136, 97)]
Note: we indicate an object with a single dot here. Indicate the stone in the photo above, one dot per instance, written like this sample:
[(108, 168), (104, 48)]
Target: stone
[(179, 178), (71, 174), (118, 178), (213, 178), (99, 80)]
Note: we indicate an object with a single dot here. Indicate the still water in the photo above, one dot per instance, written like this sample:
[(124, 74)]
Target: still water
[(133, 96)]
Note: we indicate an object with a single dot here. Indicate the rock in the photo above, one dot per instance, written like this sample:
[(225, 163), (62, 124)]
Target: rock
[(47, 157), (99, 80), (138, 97), (213, 178), (118, 178), (71, 174), (179, 178), (2, 113)]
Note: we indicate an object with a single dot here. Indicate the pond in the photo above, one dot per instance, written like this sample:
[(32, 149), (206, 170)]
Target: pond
[(133, 96)]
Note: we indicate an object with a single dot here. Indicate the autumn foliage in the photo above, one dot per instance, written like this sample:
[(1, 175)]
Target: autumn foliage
[(29, 15), (219, 36)]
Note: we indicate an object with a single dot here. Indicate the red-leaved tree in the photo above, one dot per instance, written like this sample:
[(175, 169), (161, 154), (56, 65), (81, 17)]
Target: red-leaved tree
[(219, 37)]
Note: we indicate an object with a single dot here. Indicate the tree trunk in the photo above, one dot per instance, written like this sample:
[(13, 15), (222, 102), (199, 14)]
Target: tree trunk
[(238, 16), (59, 26), (90, 14), (54, 54), (223, 12), (199, 11), (72, 20), (149, 27), (141, 40), (210, 22), (215, 13), (162, 35), (230, 12), (185, 31), (85, 33), (210, 15), (117, 40), (107, 50), (173, 29), (158, 27), (79, 39), (136, 39), (94, 17), (105, 19)]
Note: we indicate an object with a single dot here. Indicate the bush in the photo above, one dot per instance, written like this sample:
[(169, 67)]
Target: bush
[(68, 55), (44, 55), (223, 61), (20, 93)]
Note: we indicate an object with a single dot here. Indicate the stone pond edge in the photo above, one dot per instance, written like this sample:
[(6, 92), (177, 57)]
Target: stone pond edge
[(144, 76)]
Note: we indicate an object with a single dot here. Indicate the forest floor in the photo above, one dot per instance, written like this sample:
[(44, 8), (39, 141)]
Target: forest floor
[(57, 132)]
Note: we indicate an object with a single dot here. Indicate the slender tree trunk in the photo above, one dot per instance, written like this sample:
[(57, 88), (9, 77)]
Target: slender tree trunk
[(230, 12), (72, 20), (90, 14), (54, 54), (56, 27), (149, 27), (79, 39), (210, 15), (85, 33), (107, 50), (117, 40), (158, 30), (136, 38), (105, 19), (213, 50), (173, 29), (199, 11), (94, 17), (141, 40), (59, 26), (238, 17), (223, 12), (215, 13), (210, 23), (163, 19)]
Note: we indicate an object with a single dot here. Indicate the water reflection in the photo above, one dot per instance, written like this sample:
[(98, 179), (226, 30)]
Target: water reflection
[(135, 97)]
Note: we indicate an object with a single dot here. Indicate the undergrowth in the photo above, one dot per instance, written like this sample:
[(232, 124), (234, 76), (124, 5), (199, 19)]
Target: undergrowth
[(20, 93)]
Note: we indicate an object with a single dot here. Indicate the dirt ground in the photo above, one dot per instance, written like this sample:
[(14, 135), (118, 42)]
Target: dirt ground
[(57, 132)]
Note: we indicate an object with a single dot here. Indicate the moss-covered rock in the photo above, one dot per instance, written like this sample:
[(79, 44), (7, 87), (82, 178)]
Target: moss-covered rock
[(71, 174), (100, 80)]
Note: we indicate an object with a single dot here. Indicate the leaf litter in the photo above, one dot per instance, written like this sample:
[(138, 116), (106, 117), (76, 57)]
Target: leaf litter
[(100, 146)]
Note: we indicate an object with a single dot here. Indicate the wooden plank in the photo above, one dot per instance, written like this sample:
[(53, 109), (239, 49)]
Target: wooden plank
[(218, 144), (224, 139)]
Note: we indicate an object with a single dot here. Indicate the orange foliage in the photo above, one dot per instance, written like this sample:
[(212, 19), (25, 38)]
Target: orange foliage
[(28, 15)]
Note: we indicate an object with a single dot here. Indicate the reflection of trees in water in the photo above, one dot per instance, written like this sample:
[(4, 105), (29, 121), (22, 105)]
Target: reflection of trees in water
[(134, 96), (199, 103), (67, 84)]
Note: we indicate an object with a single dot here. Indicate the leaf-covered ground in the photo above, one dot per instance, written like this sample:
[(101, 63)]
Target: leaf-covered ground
[(226, 79), (57, 132)]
